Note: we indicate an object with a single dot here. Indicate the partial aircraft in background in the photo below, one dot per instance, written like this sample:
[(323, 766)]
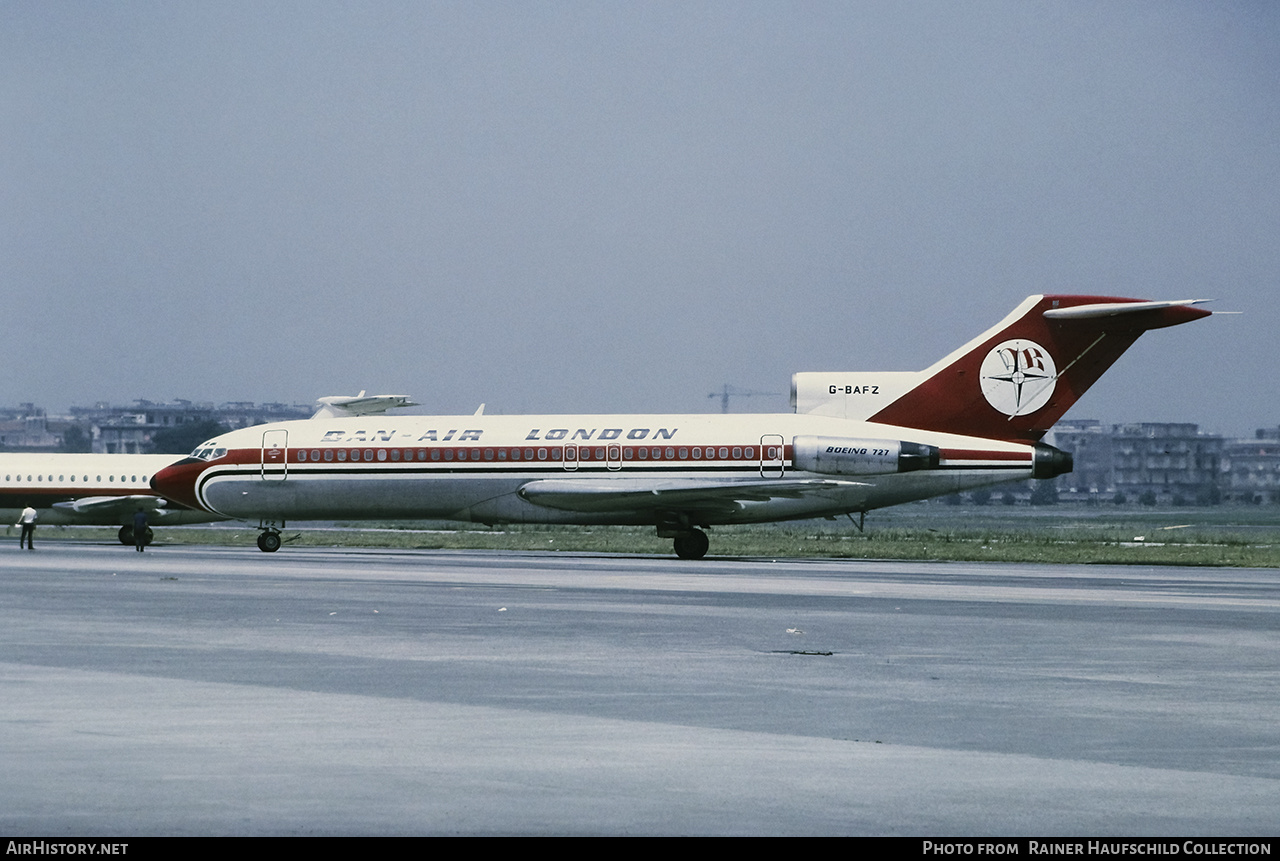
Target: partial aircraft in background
[(856, 442), (90, 490)]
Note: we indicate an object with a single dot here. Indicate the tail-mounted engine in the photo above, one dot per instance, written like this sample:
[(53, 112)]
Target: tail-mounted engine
[(1051, 461), (839, 456)]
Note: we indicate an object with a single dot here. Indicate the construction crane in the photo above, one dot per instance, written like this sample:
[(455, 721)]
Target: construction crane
[(728, 391)]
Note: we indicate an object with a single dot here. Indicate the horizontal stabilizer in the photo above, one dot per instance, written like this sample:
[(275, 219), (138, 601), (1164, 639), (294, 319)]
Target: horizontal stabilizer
[(1114, 309), (343, 406)]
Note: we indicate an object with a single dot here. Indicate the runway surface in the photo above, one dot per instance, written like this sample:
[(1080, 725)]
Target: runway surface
[(200, 690)]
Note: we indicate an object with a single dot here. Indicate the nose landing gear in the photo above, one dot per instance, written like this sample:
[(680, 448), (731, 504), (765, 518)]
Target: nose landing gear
[(269, 537)]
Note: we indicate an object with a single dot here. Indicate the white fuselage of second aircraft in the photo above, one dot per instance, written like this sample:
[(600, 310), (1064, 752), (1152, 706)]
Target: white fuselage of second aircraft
[(89, 489)]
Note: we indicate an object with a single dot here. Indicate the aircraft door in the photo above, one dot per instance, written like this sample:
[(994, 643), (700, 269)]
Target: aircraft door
[(772, 455), (613, 456), (275, 455), (571, 457)]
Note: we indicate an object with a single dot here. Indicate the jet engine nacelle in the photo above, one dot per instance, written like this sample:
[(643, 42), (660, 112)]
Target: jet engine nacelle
[(840, 456)]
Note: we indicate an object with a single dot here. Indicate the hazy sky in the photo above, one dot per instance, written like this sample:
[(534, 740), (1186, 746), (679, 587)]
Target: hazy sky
[(619, 207)]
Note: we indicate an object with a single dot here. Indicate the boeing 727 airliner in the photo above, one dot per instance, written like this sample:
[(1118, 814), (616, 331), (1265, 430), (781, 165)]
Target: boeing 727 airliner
[(856, 442)]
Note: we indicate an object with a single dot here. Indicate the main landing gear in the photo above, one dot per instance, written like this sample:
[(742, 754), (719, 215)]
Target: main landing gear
[(692, 544), (126, 536)]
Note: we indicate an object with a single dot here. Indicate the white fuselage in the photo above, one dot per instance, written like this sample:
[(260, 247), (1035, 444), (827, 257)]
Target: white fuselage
[(87, 489), (488, 468)]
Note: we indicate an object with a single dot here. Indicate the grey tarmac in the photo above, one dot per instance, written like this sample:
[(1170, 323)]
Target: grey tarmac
[(222, 691)]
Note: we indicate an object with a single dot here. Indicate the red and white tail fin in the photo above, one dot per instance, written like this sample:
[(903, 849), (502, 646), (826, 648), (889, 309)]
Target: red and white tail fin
[(1015, 380)]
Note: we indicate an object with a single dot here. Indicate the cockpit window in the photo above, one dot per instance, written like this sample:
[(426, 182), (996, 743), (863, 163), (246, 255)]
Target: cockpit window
[(208, 452)]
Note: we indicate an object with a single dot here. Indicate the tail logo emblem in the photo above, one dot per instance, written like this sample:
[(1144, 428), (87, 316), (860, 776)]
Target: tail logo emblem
[(1018, 377)]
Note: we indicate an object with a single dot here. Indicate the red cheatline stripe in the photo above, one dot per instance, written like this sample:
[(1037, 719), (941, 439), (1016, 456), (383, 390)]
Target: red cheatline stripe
[(505, 454)]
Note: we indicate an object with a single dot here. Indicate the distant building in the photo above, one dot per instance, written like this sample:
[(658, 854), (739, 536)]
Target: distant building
[(1176, 464), (1252, 469), (131, 430), (1162, 463), (27, 428)]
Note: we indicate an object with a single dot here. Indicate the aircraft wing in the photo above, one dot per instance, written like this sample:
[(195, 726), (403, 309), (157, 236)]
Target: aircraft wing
[(656, 494), (103, 506)]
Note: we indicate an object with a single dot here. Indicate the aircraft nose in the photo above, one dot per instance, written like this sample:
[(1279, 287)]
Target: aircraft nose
[(177, 481)]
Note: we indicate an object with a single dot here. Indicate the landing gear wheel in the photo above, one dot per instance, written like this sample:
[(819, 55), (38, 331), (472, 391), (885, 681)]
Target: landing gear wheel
[(269, 542), (692, 544), (126, 536)]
